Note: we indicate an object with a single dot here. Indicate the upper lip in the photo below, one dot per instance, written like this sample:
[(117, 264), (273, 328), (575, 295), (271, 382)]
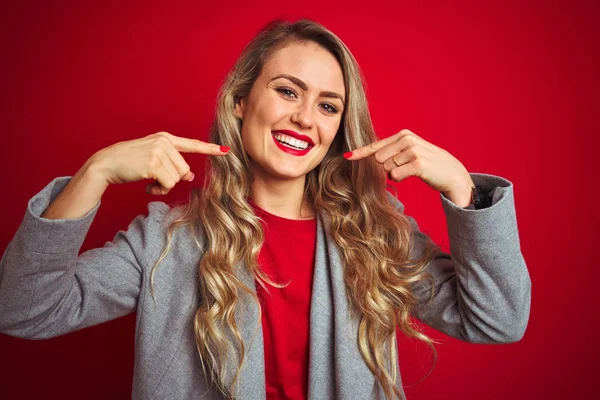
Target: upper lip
[(295, 135)]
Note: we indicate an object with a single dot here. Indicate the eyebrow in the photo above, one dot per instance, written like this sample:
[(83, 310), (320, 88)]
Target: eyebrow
[(304, 86)]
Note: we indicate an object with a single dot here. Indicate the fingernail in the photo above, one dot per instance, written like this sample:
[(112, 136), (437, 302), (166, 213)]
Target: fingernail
[(192, 178), (224, 149), (348, 154)]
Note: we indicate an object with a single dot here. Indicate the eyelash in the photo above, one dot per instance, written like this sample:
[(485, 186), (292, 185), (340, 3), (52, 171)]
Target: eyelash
[(283, 89)]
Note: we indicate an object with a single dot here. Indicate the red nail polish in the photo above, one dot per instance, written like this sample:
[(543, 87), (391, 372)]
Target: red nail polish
[(224, 149), (348, 154)]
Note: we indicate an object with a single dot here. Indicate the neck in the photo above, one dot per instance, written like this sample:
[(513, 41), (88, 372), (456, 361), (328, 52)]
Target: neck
[(281, 197)]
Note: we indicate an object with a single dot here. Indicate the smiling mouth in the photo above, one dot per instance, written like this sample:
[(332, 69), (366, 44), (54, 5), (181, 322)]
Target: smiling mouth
[(291, 148), (291, 142)]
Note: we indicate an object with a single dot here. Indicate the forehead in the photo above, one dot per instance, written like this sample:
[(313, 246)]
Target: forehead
[(317, 67)]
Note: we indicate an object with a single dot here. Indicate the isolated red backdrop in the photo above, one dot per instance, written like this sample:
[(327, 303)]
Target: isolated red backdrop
[(509, 89)]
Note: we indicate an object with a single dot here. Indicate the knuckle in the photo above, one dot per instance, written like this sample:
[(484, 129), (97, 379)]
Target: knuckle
[(157, 151), (154, 163), (196, 144), (408, 141), (418, 162), (414, 151), (379, 158), (156, 135), (162, 141)]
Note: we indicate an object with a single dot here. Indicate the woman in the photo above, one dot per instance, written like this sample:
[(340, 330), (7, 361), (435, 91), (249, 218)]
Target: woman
[(294, 198)]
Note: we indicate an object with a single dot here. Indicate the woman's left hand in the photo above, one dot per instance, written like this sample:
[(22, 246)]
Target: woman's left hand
[(406, 154)]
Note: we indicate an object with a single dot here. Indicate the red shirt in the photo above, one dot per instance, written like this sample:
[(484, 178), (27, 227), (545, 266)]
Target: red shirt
[(287, 254)]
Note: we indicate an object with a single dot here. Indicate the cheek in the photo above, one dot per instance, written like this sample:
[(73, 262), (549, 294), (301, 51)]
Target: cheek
[(330, 129), (254, 120), (268, 110), (250, 128)]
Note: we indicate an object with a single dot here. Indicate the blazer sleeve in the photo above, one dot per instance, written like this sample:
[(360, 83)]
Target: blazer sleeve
[(482, 288), (47, 289)]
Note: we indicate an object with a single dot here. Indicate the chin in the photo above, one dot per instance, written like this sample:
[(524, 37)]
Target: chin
[(288, 174), (281, 169)]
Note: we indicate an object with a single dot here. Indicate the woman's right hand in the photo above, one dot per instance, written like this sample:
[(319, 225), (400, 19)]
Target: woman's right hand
[(155, 157)]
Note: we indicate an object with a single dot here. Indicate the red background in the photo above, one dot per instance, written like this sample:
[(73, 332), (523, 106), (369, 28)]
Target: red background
[(509, 89)]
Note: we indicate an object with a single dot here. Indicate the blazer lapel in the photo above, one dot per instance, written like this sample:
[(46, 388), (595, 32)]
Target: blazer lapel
[(336, 367), (252, 385)]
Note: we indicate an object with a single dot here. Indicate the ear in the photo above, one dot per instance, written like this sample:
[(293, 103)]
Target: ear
[(239, 108)]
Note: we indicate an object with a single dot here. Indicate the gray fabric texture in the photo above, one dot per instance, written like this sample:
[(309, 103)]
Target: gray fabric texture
[(482, 294)]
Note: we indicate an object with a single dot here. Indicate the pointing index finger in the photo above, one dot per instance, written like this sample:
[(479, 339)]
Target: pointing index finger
[(369, 150), (197, 146)]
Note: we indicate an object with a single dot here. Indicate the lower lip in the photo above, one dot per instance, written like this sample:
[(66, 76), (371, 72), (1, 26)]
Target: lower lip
[(294, 152)]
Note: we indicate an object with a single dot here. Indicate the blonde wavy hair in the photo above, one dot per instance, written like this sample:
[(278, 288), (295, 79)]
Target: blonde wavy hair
[(375, 240)]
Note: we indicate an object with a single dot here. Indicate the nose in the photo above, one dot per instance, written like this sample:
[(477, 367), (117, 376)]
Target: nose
[(302, 116)]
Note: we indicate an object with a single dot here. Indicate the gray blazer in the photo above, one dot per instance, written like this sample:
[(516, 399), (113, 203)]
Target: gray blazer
[(482, 295)]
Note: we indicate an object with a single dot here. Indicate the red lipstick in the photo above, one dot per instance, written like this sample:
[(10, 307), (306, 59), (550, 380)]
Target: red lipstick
[(290, 150), (296, 135)]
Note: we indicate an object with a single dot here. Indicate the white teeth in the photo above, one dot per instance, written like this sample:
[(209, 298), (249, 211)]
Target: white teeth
[(301, 144)]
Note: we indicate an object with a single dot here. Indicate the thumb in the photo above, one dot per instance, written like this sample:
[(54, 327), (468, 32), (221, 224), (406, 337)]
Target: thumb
[(189, 176), (156, 189)]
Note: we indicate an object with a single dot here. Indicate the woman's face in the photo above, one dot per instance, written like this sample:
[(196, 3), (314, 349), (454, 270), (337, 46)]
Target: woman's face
[(299, 98)]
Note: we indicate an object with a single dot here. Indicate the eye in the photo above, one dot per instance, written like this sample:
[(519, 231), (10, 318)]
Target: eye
[(287, 92), (330, 108)]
